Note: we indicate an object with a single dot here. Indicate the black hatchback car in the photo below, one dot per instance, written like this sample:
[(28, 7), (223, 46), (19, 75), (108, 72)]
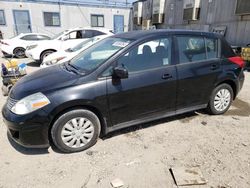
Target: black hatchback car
[(123, 80)]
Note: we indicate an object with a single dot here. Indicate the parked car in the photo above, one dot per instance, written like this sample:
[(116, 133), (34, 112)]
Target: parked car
[(63, 56), (121, 81), (17, 45), (67, 39)]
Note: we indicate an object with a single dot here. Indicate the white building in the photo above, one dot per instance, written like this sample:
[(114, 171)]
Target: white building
[(51, 17)]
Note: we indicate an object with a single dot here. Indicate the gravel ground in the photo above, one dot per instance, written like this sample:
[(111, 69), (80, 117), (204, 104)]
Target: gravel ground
[(141, 156)]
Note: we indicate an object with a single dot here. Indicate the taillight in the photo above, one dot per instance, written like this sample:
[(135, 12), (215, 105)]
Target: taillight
[(237, 60)]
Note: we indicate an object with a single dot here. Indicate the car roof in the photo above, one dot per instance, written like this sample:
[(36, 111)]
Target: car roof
[(140, 34), (90, 28), (26, 34)]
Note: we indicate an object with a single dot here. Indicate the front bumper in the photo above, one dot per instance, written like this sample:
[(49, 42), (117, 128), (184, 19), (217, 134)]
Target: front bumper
[(28, 130), (32, 54), (7, 49)]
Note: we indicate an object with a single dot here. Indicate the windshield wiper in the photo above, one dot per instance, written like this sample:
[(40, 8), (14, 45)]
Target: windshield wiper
[(75, 67), (71, 68)]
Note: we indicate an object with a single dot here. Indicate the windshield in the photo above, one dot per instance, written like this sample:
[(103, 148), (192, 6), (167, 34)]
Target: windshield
[(82, 44), (98, 53), (57, 35)]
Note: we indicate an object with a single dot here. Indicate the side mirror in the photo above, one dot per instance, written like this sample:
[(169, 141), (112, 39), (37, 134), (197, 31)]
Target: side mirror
[(120, 72), (63, 38)]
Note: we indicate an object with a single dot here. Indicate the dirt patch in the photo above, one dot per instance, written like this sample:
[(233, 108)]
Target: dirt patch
[(241, 108)]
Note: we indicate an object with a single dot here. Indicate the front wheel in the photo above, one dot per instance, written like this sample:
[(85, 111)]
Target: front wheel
[(75, 131), (19, 52), (45, 54), (221, 99)]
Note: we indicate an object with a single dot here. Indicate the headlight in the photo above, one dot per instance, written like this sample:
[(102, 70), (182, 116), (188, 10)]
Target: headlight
[(31, 47), (30, 103)]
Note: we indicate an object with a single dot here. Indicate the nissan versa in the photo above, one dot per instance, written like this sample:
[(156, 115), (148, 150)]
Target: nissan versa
[(123, 80)]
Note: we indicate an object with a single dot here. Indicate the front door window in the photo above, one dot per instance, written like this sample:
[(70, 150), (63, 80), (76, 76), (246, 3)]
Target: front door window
[(149, 55)]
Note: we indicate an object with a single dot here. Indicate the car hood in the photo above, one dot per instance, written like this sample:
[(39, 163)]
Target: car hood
[(55, 55), (43, 80), (46, 43), (68, 57)]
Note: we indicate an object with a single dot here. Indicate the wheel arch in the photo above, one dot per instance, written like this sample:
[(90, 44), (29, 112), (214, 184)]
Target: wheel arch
[(232, 84), (17, 48), (95, 110), (51, 49)]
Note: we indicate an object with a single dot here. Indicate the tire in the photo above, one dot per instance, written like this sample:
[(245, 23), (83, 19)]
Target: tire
[(220, 99), (19, 52), (65, 124), (45, 54)]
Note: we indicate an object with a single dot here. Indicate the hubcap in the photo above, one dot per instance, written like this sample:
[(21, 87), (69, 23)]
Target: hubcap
[(77, 132), (222, 100), (20, 53)]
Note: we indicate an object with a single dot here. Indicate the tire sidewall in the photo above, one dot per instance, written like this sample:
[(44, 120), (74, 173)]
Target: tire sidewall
[(18, 49), (45, 53), (215, 91), (63, 119)]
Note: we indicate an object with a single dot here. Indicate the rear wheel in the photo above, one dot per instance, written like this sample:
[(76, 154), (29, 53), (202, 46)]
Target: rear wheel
[(221, 99), (19, 52), (75, 131), (45, 54)]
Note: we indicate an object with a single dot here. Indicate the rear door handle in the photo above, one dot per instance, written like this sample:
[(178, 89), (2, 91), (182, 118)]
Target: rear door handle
[(166, 76), (214, 66)]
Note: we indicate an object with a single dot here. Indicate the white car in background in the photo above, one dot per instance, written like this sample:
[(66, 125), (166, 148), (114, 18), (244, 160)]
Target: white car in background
[(16, 45), (63, 56), (38, 51)]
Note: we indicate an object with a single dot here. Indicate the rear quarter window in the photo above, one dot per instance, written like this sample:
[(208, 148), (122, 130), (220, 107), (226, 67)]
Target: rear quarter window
[(212, 48)]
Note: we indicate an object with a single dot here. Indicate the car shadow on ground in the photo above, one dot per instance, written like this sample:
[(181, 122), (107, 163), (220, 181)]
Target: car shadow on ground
[(241, 108), (33, 64), (26, 151), (183, 118)]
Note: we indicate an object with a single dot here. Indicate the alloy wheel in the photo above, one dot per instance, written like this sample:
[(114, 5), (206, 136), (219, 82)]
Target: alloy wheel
[(222, 99)]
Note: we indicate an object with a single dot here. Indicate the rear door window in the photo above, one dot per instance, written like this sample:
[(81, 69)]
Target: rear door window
[(195, 48), (191, 49)]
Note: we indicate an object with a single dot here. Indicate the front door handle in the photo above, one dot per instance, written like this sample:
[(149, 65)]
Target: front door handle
[(166, 76)]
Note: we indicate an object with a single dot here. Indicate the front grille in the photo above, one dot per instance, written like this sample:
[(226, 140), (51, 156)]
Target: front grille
[(10, 103)]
